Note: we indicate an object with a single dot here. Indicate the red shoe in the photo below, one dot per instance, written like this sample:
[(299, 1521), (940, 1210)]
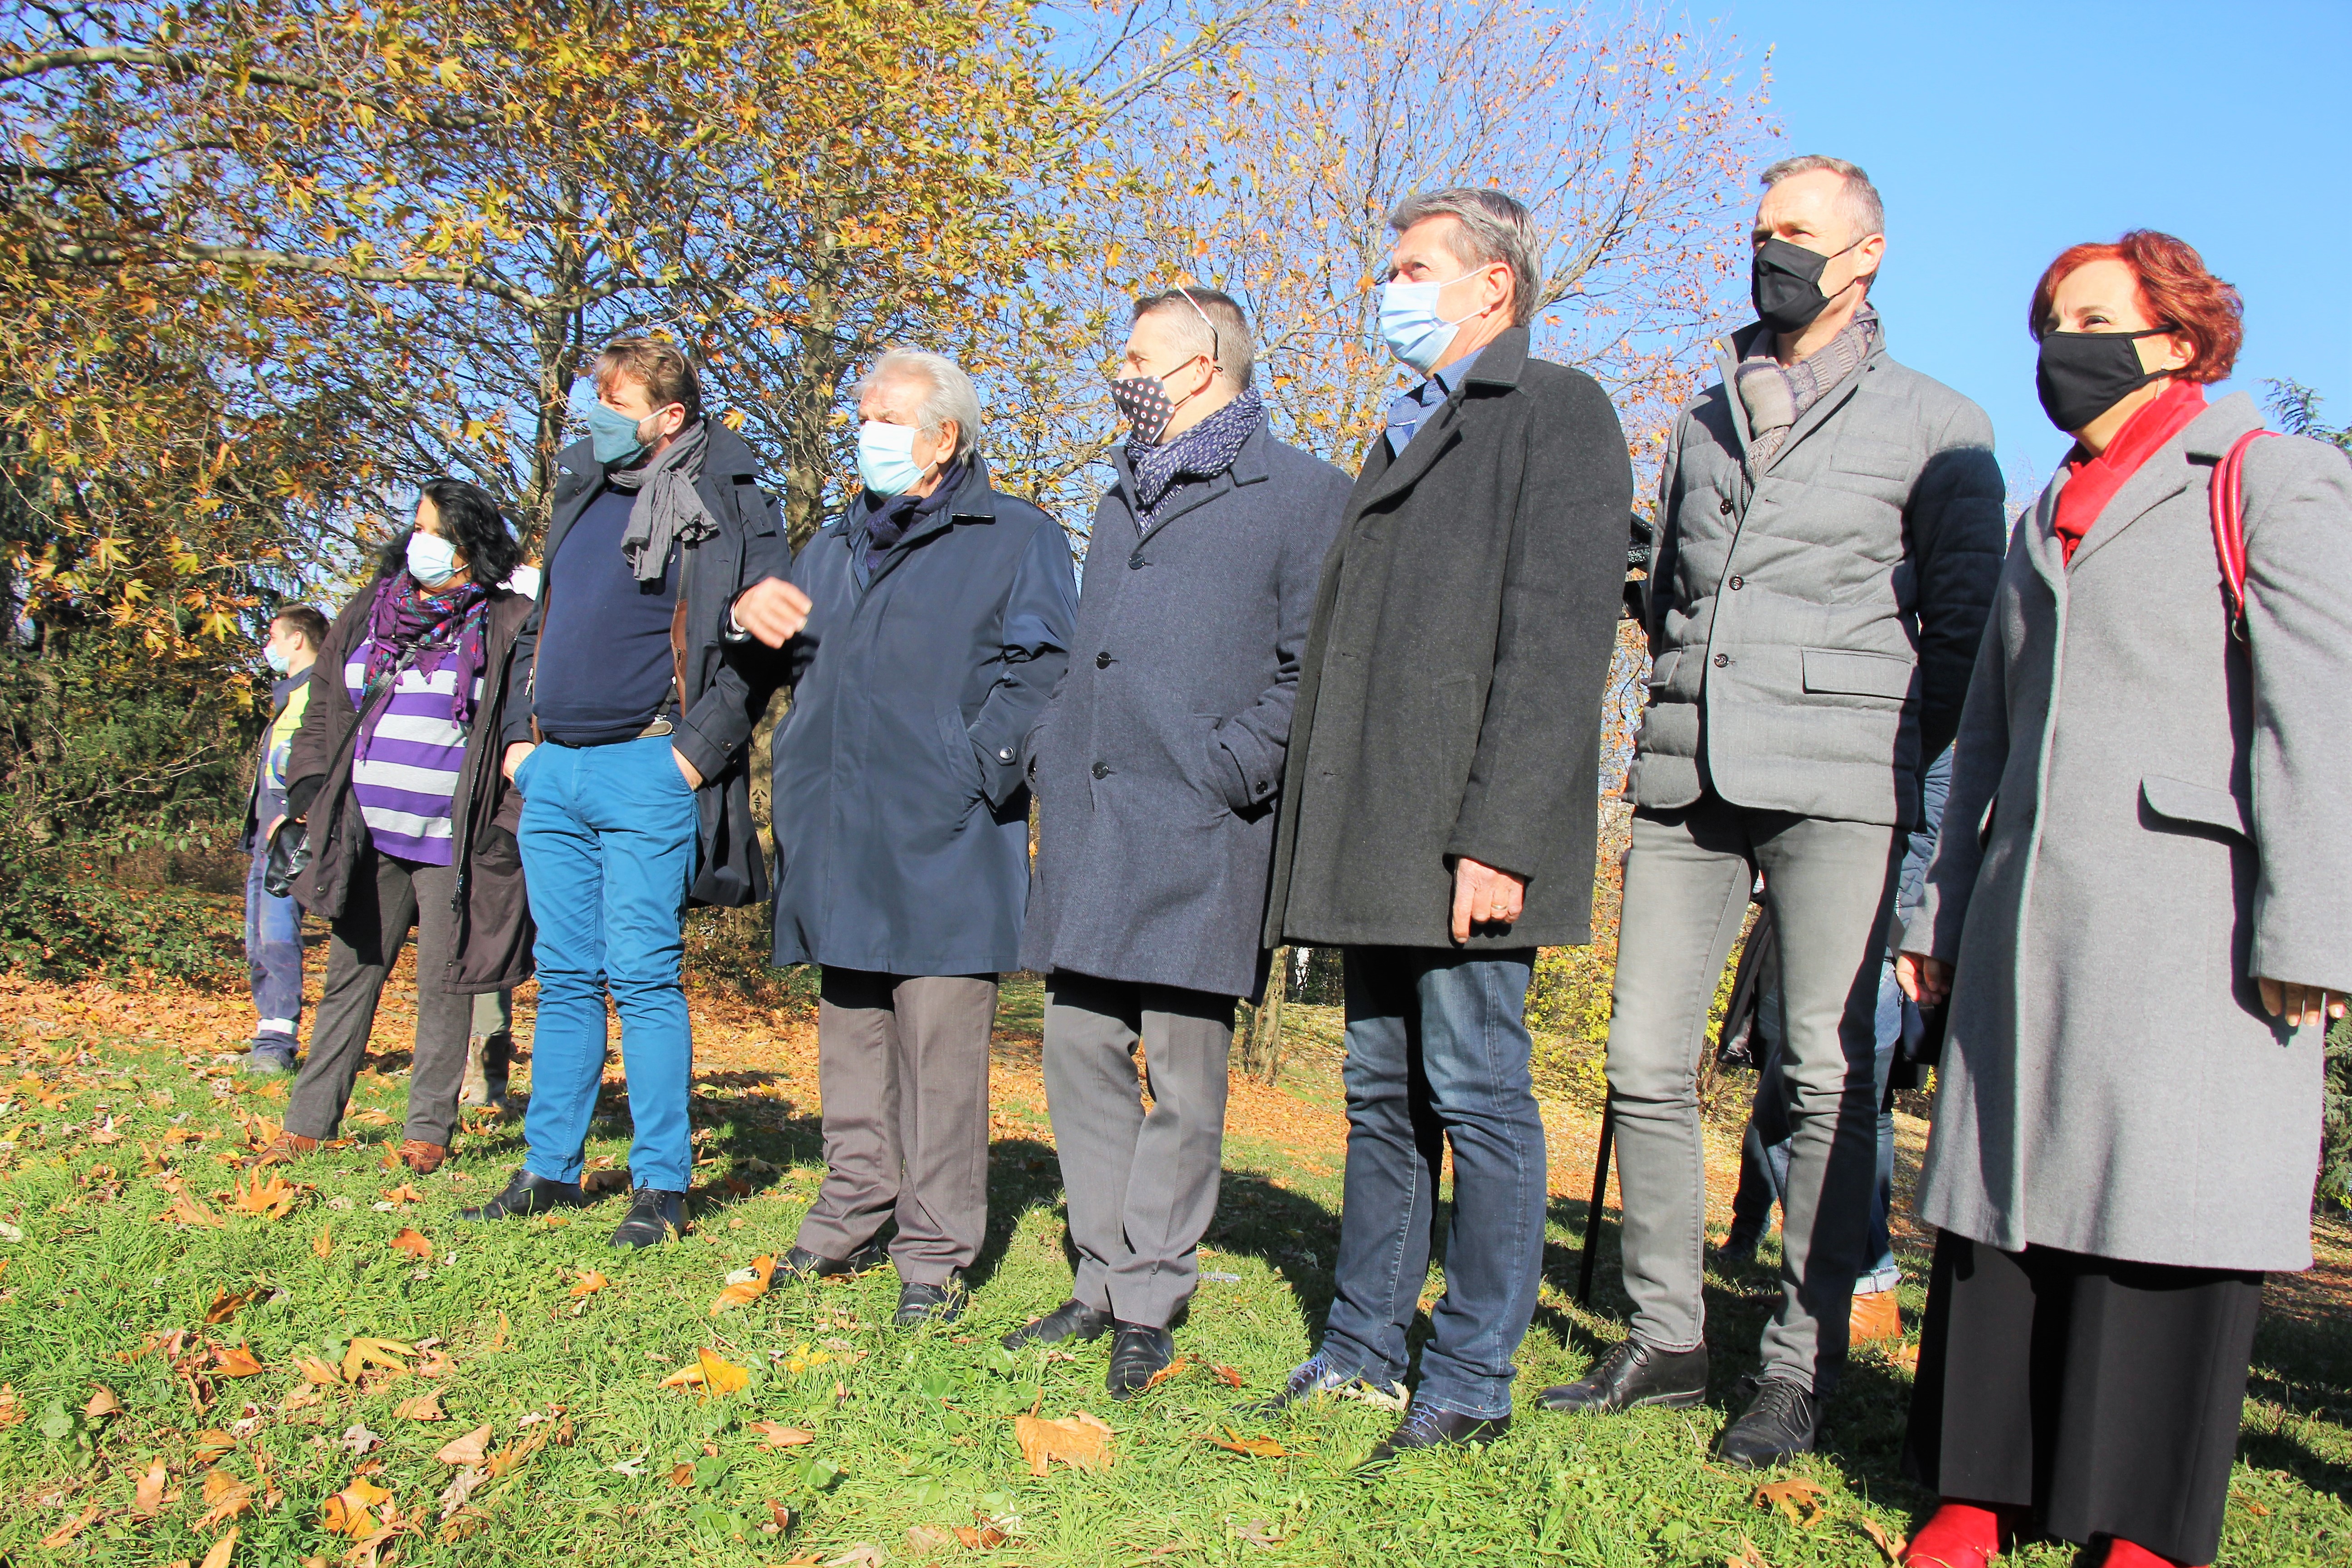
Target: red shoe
[(2122, 1553), (1961, 1535)]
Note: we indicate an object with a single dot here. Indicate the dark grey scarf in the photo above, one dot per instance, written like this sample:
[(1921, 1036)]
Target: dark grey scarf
[(1203, 452), (1776, 395), (667, 510)]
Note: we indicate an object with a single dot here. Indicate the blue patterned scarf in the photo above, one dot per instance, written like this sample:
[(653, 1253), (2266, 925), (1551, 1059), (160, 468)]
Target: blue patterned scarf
[(1203, 452)]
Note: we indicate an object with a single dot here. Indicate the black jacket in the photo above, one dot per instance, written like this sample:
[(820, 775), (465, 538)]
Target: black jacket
[(726, 684), (1450, 702)]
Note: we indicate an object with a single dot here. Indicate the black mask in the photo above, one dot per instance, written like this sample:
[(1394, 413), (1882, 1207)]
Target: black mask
[(2084, 374), (1785, 281)]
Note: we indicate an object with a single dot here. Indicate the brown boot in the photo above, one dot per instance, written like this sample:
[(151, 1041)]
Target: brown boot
[(286, 1148), (422, 1158), (1873, 1317)]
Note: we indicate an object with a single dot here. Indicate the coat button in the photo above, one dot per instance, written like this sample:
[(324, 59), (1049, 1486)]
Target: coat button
[(1726, 507), (1722, 659), (1135, 562), (1004, 753), (1102, 661), (1102, 769), (1738, 584)]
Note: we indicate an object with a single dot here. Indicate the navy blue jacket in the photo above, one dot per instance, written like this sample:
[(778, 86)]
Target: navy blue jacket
[(1157, 765), (901, 813)]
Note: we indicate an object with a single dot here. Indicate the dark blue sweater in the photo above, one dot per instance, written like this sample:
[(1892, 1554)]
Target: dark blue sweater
[(603, 669)]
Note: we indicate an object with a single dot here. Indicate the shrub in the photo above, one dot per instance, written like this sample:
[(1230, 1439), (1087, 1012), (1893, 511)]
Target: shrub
[(56, 929)]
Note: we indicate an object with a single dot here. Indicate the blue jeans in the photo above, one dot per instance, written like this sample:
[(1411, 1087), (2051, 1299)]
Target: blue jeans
[(1764, 1154), (609, 835), (273, 956), (1437, 1054)]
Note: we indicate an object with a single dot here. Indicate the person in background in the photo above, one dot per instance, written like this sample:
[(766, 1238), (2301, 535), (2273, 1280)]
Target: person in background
[(1829, 530), (1439, 813), (489, 1044), (1156, 768), (938, 622), (273, 923), (629, 717), (2137, 927), (394, 774)]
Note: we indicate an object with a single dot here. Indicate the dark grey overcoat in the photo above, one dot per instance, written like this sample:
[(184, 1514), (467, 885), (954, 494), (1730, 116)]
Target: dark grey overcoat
[(1450, 699), (2146, 813), (1156, 764)]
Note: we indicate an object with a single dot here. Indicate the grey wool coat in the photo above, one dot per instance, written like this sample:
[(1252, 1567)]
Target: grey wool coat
[(1449, 703), (1811, 633), (1156, 764), (2146, 813)]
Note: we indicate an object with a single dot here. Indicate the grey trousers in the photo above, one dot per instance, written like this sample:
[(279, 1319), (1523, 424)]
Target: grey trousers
[(1141, 1185), (1830, 886), (902, 1063), (387, 898)]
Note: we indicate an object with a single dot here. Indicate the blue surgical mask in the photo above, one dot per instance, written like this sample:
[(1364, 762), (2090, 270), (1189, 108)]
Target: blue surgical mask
[(613, 435), (274, 660), (432, 560), (885, 459), (1410, 325)]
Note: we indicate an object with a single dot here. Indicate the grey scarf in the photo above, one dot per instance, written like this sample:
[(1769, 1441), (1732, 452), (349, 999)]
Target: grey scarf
[(667, 510), (1777, 395)]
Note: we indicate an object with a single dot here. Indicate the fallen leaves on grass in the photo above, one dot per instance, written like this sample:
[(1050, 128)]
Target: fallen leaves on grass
[(147, 1501), (775, 1434), (1225, 1374), (864, 1555), (1890, 1544), (472, 1448), (315, 1370), (414, 1244), (186, 1207), (1253, 1447), (225, 1498), (1797, 1497), (101, 1405), (366, 1351), (272, 1197), (1175, 1368), (406, 1193), (982, 1537), (358, 1440), (1080, 1441), (929, 1540), (1748, 1556), (746, 1286), (510, 1457), (589, 1283), (212, 1444), (235, 1361), (323, 1244), (217, 1557), (421, 1407), (227, 1304), (710, 1374), (351, 1511), (71, 1528), (12, 1409)]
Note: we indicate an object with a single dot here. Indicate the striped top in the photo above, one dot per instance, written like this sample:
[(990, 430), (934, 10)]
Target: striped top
[(406, 774)]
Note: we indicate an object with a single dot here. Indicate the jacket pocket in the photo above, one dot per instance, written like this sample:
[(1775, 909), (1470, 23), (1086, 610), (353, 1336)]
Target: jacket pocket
[(1858, 674), (2179, 802), (963, 762), (1662, 670), (1879, 459)]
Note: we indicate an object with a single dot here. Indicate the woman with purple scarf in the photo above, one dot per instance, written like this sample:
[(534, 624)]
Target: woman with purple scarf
[(409, 820)]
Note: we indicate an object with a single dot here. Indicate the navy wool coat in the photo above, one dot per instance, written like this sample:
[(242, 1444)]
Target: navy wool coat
[(1158, 764), (901, 812)]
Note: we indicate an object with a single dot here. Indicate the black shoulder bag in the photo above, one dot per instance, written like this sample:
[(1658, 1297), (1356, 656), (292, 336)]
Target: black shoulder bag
[(289, 848)]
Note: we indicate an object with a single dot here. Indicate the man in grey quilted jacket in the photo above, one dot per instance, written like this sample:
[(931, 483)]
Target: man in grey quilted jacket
[(1829, 528)]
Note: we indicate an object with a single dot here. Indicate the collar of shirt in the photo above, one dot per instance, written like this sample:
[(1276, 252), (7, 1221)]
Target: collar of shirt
[(1409, 411)]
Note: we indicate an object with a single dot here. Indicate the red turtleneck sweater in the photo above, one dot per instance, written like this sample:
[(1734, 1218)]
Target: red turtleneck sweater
[(2092, 482)]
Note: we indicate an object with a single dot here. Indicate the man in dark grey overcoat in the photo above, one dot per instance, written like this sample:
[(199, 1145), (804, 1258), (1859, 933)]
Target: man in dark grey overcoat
[(1156, 768), (1438, 804), (1829, 530)]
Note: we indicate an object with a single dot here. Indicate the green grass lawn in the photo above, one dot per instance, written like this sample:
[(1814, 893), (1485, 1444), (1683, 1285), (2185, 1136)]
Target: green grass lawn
[(114, 1107)]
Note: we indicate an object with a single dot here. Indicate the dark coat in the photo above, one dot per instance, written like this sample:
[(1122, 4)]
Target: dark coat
[(494, 926), (1157, 765), (726, 684), (901, 813), (1450, 703)]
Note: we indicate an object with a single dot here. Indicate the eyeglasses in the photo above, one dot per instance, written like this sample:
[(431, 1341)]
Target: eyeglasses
[(1216, 342)]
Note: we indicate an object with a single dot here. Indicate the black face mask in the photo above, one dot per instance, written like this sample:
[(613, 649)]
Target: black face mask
[(1785, 281), (2084, 374)]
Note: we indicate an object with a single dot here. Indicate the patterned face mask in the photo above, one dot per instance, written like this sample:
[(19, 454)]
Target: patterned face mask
[(1143, 402)]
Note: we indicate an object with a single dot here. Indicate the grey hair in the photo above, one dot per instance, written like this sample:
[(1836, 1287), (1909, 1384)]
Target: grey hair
[(1492, 227), (951, 395), (1206, 321), (1858, 202)]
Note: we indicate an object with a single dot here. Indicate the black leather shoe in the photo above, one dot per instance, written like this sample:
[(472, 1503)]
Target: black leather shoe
[(1073, 1320), (808, 1265), (1312, 1378), (528, 1194), (1138, 1352), (1427, 1427), (1631, 1374), (1778, 1425), (655, 1216), (919, 1304)]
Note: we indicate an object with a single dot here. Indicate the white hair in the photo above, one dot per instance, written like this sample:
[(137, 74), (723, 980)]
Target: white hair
[(951, 395)]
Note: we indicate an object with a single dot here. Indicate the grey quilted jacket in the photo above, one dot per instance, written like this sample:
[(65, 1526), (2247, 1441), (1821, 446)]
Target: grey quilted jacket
[(1813, 633)]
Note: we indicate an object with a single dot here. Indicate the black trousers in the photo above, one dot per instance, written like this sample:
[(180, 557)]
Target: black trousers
[(2103, 1396)]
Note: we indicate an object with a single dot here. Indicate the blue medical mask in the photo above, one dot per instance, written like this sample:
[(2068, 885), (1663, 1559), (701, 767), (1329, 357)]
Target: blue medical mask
[(613, 437), (1410, 325), (885, 459), (432, 560), (274, 660)]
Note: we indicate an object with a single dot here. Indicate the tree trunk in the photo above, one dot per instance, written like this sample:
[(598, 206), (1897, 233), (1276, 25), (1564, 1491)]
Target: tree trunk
[(1262, 1044)]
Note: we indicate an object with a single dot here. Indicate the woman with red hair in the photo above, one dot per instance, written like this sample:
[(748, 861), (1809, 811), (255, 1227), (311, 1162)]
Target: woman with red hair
[(2140, 912)]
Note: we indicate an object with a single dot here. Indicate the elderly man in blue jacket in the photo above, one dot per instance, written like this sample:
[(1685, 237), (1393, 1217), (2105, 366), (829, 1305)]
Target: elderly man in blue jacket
[(938, 622), (1155, 771)]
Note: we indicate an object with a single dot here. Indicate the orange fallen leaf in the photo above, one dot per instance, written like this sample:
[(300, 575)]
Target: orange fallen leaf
[(348, 1511), (188, 1209), (315, 1370), (12, 1409), (777, 1435), (980, 1537), (225, 1498), (470, 1450), (1226, 1375), (237, 1361), (211, 1443), (1172, 1369), (365, 1351), (148, 1499), (71, 1528), (710, 1374), (102, 1404), (272, 1197), (436, 1364), (1081, 1442), (406, 1193), (1255, 1448), (323, 1243), (1748, 1556), (1797, 1497), (466, 1521), (218, 1556), (413, 1244), (743, 1292), (1890, 1543), (681, 1475), (227, 1304), (589, 1283), (421, 1407)]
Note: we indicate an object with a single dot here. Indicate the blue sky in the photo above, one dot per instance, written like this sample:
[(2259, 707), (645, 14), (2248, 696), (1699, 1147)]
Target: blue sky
[(1999, 132)]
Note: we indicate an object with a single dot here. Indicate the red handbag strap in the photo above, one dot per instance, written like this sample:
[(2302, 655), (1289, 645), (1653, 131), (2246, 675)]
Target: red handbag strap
[(2230, 521)]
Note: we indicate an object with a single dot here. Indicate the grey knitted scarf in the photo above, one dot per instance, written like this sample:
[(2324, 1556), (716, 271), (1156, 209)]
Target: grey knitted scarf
[(667, 510), (1777, 395)]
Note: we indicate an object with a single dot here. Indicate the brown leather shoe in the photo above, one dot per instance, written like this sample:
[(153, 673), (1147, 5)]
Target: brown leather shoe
[(1873, 1316), (422, 1158), (284, 1148)]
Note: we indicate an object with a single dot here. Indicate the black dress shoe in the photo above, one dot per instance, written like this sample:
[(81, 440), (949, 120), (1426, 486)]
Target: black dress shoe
[(1778, 1425), (528, 1194), (1631, 1374), (1427, 1427), (1313, 1378), (1073, 1320), (1138, 1353), (655, 1216), (919, 1304), (808, 1265)]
